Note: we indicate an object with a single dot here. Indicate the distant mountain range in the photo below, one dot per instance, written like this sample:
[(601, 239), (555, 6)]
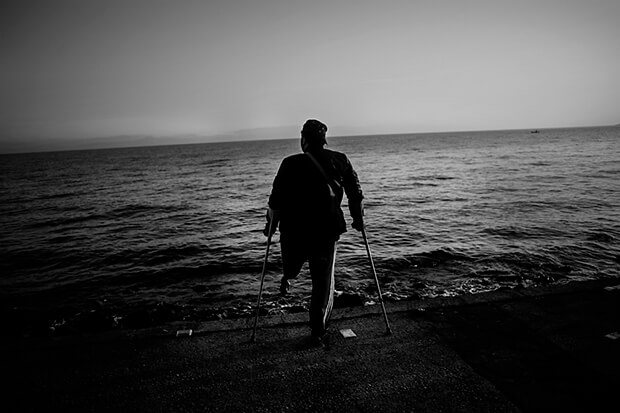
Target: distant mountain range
[(32, 144)]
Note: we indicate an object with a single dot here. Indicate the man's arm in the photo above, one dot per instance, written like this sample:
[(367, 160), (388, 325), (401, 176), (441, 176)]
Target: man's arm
[(355, 196), (275, 201)]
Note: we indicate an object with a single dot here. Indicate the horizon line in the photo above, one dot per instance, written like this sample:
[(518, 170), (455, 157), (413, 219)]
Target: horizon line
[(241, 138)]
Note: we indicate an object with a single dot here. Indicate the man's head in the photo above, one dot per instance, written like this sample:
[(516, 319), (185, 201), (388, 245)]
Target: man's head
[(313, 134)]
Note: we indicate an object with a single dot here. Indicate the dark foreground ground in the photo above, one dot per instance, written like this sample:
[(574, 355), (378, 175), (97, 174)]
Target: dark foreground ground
[(538, 350)]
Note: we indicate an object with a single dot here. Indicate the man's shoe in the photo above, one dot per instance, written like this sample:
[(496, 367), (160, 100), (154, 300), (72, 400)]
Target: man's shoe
[(316, 341), (319, 339), (285, 286)]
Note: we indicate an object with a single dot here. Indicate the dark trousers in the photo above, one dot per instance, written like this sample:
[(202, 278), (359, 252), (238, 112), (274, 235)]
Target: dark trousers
[(321, 257)]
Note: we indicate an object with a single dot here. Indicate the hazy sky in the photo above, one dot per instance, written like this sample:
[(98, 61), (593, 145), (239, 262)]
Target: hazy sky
[(87, 69)]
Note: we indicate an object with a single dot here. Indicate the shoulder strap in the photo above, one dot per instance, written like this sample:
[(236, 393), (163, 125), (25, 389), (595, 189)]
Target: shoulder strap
[(330, 182)]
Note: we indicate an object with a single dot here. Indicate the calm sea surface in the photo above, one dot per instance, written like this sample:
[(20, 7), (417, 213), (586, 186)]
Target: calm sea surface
[(131, 237)]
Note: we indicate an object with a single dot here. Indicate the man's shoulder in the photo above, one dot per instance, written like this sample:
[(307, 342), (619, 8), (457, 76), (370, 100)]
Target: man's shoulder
[(334, 153), (338, 156), (324, 153), (293, 158), (292, 161)]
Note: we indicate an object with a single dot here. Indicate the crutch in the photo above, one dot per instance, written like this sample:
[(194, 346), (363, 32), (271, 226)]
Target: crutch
[(372, 265), (262, 280)]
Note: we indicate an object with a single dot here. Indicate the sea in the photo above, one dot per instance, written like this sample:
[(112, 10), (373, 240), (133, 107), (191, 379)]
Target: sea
[(135, 237)]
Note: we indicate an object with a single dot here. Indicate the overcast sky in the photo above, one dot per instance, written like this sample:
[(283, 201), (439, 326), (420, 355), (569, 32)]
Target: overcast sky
[(84, 69)]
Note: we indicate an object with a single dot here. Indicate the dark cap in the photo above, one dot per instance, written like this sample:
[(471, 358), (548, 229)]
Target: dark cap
[(314, 131)]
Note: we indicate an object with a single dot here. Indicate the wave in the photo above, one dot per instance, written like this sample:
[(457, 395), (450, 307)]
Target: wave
[(434, 177), (133, 210), (60, 195), (66, 217), (515, 233), (66, 221), (431, 258), (601, 236)]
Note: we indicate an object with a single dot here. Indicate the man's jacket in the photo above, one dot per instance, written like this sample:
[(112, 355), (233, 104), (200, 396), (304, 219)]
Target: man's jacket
[(301, 195)]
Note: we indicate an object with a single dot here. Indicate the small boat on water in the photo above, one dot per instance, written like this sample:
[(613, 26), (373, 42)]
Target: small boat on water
[(535, 131)]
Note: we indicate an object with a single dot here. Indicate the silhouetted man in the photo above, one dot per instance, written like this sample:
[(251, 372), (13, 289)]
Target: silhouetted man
[(305, 202)]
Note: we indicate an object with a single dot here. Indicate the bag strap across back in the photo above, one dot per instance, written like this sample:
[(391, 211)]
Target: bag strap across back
[(330, 182)]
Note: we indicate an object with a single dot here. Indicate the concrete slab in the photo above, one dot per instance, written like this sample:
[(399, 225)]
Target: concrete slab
[(508, 351)]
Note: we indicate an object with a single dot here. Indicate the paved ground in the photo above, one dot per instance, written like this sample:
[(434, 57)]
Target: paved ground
[(542, 349)]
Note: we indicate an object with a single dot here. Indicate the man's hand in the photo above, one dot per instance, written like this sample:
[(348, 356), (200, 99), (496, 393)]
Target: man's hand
[(273, 217), (269, 227), (357, 213)]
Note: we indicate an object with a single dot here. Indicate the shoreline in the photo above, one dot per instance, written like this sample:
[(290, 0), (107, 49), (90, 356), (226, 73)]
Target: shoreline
[(351, 312), (541, 349), (99, 316), (300, 316)]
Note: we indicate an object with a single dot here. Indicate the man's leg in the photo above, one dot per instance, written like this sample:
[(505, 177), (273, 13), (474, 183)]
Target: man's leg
[(322, 263), (293, 257)]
